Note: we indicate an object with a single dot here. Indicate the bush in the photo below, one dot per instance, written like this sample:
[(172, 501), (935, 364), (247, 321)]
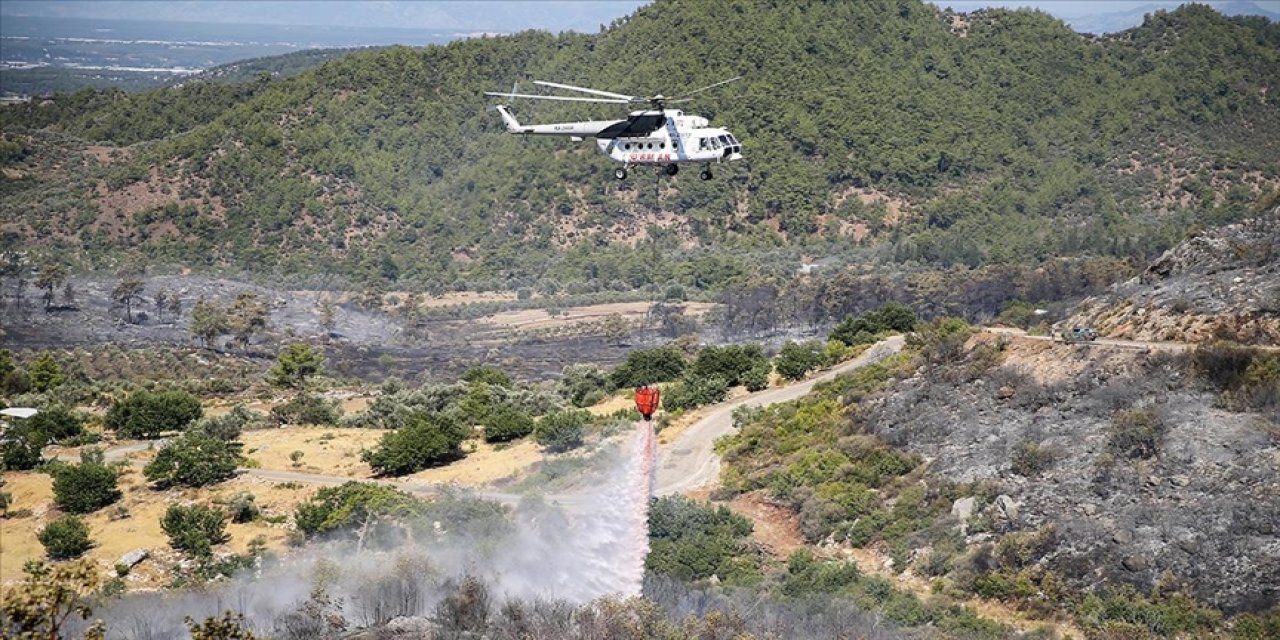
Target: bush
[(305, 408), (1222, 363), (562, 430), (425, 440), (1135, 434), (44, 373), (243, 508), (352, 503), (864, 328), (488, 375), (733, 363), (757, 377), (195, 529), (65, 538), (58, 423), (1030, 459), (799, 358), (693, 392), (807, 575), (194, 460), (147, 415), (84, 487), (584, 384), (1174, 615), (22, 449), (230, 425), (507, 423), (649, 366), (693, 540), (295, 364)]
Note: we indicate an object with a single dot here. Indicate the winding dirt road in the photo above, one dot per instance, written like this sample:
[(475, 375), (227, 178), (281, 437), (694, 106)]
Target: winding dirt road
[(691, 462)]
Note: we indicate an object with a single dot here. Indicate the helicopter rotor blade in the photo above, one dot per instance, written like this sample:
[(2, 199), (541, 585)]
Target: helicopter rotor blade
[(561, 98), (710, 86), (569, 87)]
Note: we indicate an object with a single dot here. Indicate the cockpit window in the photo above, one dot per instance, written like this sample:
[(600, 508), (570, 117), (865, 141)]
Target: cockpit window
[(724, 140)]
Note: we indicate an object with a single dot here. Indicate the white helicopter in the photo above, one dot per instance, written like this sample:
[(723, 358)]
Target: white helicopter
[(655, 136)]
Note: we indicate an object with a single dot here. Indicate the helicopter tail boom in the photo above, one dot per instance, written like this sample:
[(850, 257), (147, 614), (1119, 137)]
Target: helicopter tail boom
[(513, 125), (577, 130)]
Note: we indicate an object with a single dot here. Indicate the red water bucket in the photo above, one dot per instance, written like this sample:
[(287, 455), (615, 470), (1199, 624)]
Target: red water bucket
[(647, 401)]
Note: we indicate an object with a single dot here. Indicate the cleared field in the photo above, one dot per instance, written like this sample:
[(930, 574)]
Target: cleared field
[(540, 319)]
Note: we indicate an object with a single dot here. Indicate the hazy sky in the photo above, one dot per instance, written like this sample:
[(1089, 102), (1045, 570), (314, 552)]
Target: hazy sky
[(506, 15)]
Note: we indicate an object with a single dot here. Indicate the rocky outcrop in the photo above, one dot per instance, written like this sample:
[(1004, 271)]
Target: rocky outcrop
[(1223, 283), (1204, 511)]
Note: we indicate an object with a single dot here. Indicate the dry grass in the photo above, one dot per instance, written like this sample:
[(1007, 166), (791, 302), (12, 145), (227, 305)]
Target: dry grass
[(326, 450), (114, 536)]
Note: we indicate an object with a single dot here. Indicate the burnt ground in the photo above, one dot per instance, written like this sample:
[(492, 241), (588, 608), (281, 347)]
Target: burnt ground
[(365, 344)]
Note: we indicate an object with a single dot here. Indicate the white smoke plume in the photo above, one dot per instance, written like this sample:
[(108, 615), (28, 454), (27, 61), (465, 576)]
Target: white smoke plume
[(573, 547)]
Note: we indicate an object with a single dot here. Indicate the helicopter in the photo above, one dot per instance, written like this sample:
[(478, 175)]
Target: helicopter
[(654, 136)]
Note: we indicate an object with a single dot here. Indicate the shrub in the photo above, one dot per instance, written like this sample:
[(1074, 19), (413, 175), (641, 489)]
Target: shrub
[(22, 448), (487, 375), (562, 430), (194, 460), (147, 415), (65, 538), (44, 373), (692, 392), (693, 540), (230, 425), (243, 508), (1030, 459), (507, 423), (352, 503), (1135, 434), (799, 358), (649, 366), (733, 363), (426, 439), (295, 364), (84, 487), (1173, 615), (757, 377), (584, 384), (807, 575), (58, 423), (864, 328), (1222, 363), (305, 408), (194, 529)]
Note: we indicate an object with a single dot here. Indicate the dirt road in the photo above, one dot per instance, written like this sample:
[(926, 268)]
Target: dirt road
[(691, 462)]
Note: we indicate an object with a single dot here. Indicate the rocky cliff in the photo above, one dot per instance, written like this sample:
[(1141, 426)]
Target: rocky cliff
[(1223, 283)]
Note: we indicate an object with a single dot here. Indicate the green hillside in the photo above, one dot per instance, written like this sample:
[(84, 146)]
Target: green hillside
[(995, 137)]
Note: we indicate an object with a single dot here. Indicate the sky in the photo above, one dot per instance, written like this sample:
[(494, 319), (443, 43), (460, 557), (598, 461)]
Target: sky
[(514, 15)]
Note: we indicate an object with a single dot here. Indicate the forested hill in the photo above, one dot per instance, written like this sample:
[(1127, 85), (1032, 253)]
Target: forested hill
[(998, 136)]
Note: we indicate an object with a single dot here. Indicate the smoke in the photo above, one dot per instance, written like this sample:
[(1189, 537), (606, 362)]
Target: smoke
[(573, 547)]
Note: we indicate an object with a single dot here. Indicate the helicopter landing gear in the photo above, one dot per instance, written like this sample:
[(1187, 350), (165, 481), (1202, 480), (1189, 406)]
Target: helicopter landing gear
[(620, 173), (706, 174), (673, 169)]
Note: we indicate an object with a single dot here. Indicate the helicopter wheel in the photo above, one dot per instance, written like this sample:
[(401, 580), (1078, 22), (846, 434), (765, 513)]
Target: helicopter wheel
[(673, 169), (620, 174), (706, 174)]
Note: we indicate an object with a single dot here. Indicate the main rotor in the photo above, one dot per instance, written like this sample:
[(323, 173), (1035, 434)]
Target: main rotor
[(658, 101)]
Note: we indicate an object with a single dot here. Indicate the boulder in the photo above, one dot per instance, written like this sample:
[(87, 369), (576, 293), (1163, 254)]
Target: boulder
[(132, 558), (963, 508), (1007, 508)]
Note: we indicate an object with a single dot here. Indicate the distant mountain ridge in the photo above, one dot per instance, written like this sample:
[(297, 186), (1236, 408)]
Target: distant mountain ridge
[(887, 130), (1121, 20)]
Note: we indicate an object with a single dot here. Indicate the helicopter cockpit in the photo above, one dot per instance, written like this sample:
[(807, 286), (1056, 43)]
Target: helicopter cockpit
[(717, 141)]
